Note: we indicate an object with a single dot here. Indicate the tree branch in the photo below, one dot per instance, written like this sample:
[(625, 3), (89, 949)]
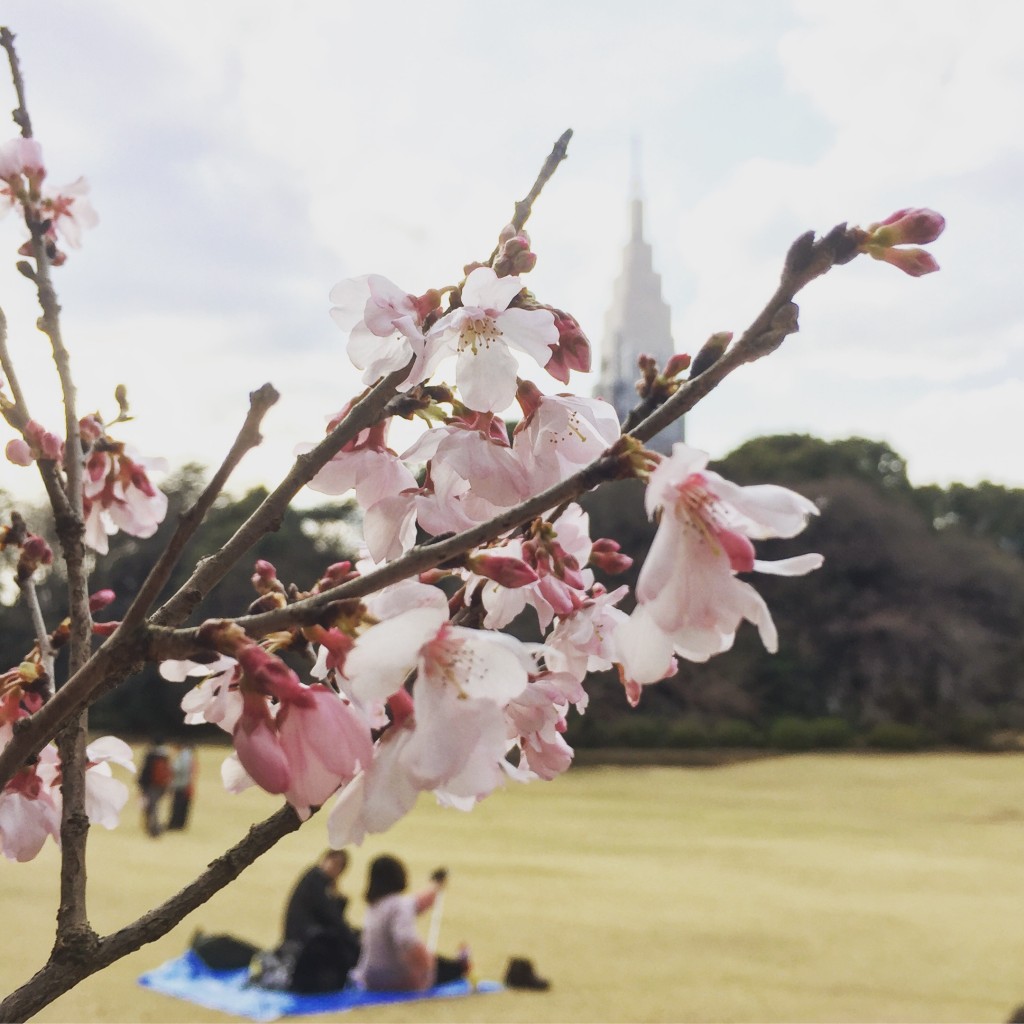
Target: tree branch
[(524, 207), (260, 402), (69, 964)]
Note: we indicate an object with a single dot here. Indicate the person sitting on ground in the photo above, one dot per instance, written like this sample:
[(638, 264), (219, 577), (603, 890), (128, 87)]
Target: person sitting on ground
[(317, 938), (393, 956)]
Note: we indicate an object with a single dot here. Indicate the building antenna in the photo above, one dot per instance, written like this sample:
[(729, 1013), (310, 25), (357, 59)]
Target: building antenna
[(636, 188)]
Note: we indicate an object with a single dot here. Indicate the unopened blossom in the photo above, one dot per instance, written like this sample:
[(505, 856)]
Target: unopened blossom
[(558, 554), (883, 239), (690, 600), (305, 744), (482, 333)]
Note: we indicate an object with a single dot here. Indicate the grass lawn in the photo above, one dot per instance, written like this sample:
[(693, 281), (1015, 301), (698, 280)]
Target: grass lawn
[(803, 888)]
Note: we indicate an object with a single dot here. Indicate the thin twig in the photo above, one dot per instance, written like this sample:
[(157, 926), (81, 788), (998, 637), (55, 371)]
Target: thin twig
[(260, 402), (524, 207), (365, 413), (31, 598), (20, 113)]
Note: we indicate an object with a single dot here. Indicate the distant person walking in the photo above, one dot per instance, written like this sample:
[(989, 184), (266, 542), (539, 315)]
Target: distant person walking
[(154, 778), (183, 784)]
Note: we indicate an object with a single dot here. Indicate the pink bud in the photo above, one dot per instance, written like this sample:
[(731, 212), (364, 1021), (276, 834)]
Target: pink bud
[(676, 364), (529, 396), (606, 554), (508, 572), (400, 706), (100, 600), (917, 226), (269, 674), (915, 262), (90, 428), (19, 452)]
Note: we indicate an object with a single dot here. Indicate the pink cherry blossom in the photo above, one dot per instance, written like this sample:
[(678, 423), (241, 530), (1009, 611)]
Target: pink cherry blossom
[(560, 434), (68, 211), (481, 333), (29, 812), (105, 796), (216, 698), (118, 495), (383, 323), (689, 599)]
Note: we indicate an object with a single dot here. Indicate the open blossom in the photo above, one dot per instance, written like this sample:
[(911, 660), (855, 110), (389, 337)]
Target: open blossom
[(689, 599), (68, 212), (451, 738), (118, 495), (30, 803), (384, 324), (482, 332), (560, 434)]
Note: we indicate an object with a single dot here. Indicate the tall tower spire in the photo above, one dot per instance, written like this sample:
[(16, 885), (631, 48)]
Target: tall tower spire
[(639, 321)]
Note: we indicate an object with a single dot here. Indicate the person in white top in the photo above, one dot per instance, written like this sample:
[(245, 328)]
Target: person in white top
[(393, 956)]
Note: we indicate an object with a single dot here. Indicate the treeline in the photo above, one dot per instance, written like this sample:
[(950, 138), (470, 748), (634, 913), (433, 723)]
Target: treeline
[(909, 635)]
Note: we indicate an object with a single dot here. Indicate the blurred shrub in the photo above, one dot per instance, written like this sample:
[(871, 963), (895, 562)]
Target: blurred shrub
[(897, 736)]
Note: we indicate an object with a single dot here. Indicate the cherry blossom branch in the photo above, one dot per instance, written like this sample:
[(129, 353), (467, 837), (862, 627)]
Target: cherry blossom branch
[(79, 954), (260, 402), (524, 207), (122, 653), (69, 515), (806, 260)]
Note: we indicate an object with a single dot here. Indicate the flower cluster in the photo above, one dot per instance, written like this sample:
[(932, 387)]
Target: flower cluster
[(56, 214), (417, 686)]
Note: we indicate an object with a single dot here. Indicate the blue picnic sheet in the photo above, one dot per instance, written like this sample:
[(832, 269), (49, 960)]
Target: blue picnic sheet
[(187, 977)]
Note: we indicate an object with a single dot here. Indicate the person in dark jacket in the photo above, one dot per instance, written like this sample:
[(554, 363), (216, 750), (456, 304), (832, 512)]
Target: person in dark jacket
[(325, 947)]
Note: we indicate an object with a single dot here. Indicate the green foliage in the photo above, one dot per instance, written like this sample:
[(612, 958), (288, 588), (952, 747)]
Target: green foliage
[(734, 732), (895, 736)]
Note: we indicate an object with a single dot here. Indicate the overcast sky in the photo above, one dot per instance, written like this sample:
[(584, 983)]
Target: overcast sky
[(245, 156)]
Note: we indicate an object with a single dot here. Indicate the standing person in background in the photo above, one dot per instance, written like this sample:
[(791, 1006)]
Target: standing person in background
[(183, 781), (153, 780), (393, 956)]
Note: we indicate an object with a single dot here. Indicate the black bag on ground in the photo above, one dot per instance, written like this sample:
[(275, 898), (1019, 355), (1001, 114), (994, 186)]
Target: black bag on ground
[(223, 952)]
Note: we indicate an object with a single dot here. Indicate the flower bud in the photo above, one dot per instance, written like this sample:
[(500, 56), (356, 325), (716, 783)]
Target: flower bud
[(606, 555), (504, 570), (34, 553), (677, 363), (100, 600), (19, 452), (916, 226), (913, 261)]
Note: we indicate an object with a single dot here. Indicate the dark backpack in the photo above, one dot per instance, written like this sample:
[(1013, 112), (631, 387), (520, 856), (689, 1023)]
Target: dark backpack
[(223, 952)]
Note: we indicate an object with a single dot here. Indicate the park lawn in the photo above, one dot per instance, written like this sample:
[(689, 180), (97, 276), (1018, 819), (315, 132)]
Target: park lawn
[(800, 888)]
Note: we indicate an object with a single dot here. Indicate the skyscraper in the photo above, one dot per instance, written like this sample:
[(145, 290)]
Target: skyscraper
[(638, 322)]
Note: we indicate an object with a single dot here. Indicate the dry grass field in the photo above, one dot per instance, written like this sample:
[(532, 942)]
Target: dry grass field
[(803, 888)]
